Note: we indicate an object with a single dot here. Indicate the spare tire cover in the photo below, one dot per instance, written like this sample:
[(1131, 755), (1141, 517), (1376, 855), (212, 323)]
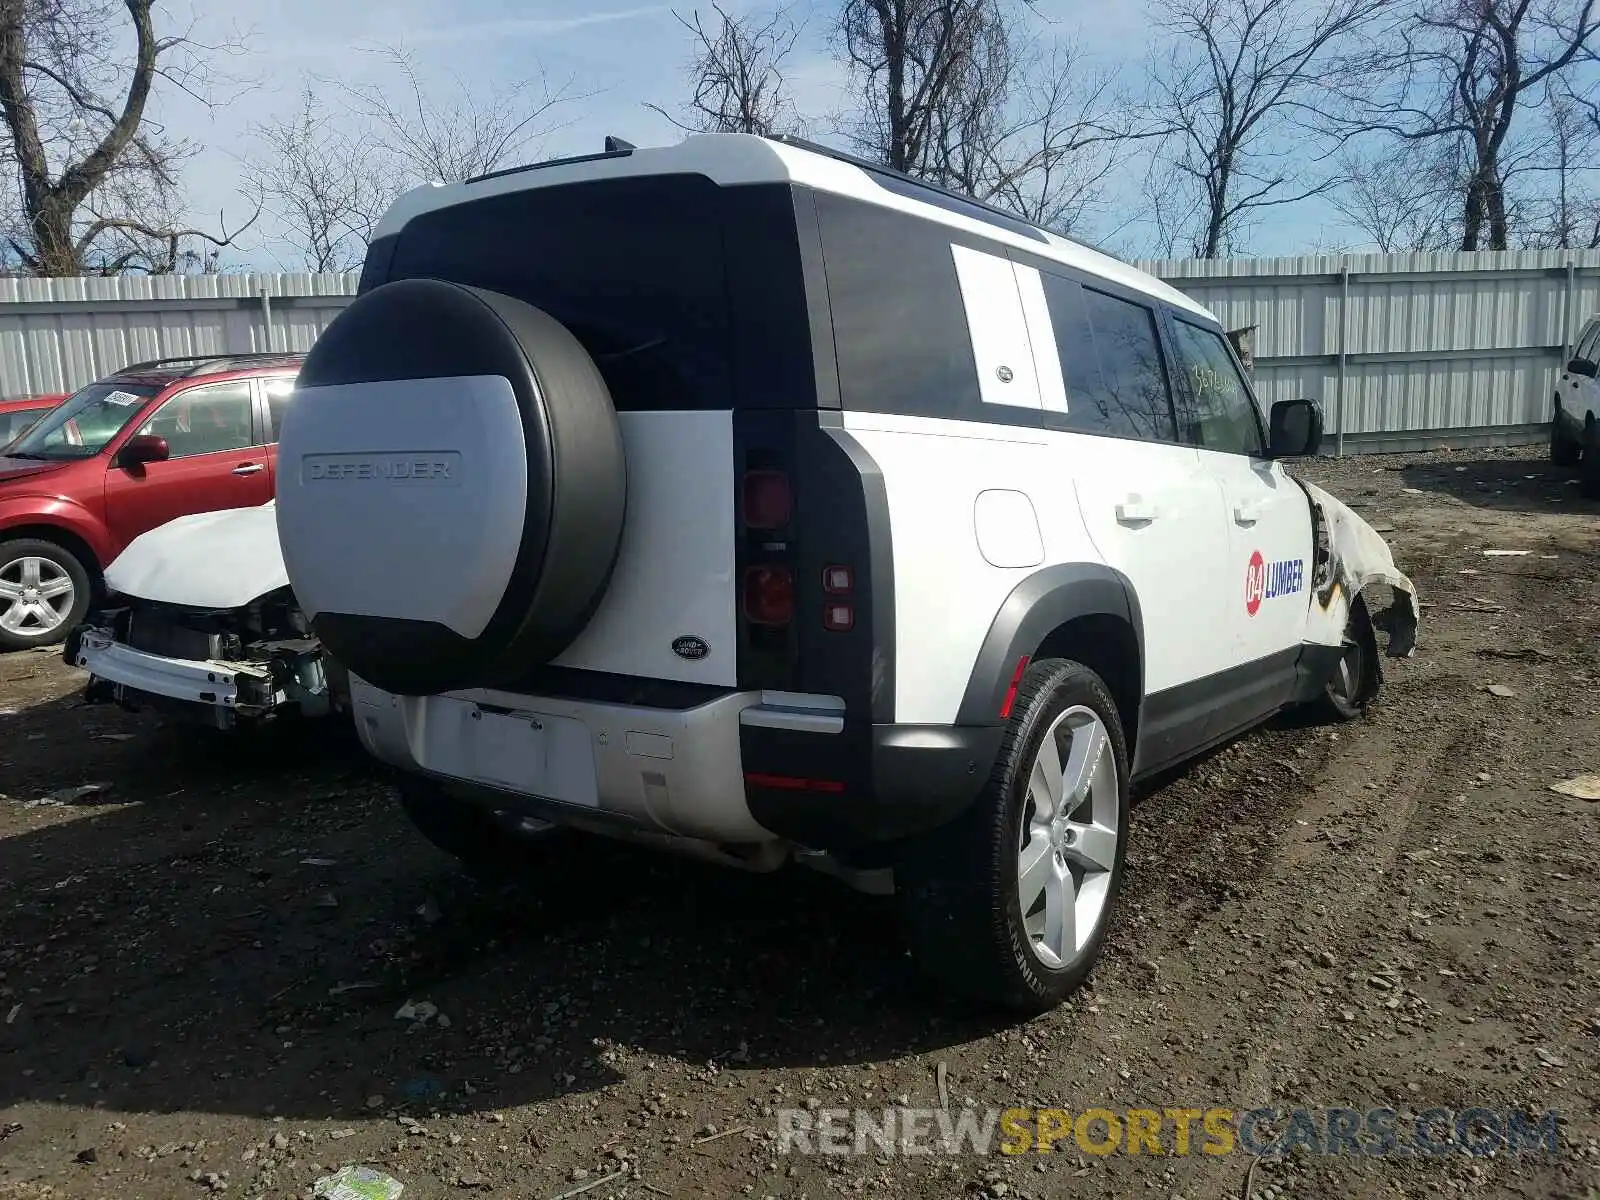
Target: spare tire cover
[(451, 487)]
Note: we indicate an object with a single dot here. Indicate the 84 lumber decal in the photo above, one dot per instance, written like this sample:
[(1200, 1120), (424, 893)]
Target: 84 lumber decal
[(1266, 581)]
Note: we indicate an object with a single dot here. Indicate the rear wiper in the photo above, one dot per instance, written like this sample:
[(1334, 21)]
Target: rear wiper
[(614, 355)]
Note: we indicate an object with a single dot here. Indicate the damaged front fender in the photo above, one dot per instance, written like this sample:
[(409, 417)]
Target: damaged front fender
[(1352, 556)]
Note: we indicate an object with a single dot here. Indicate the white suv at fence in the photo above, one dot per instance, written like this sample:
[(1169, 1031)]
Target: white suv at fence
[(760, 503), (1575, 423)]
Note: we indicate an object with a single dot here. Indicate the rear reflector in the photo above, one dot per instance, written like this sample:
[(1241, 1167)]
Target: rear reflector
[(765, 500), (792, 783), (1011, 692), (768, 595)]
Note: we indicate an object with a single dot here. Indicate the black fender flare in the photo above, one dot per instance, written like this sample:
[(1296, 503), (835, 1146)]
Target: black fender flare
[(1038, 605)]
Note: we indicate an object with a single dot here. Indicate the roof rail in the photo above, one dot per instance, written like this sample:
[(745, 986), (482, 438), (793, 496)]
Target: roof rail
[(910, 185), (206, 363), (615, 148)]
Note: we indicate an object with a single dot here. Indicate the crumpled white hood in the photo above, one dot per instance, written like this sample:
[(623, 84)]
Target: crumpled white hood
[(208, 560)]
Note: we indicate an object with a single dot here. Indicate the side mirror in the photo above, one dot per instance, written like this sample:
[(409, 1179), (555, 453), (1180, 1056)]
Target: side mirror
[(1582, 366), (143, 448), (1294, 429)]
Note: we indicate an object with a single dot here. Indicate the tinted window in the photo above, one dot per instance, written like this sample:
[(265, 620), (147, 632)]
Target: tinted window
[(1588, 343), (1110, 363), (205, 420), (899, 328), (1225, 412), (633, 267), (666, 280), (85, 422), (15, 421), (279, 393)]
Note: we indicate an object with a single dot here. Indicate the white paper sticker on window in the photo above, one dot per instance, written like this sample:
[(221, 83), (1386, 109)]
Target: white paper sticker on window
[(122, 398)]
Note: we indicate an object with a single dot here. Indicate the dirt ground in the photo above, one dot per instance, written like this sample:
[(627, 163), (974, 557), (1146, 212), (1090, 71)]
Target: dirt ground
[(201, 962)]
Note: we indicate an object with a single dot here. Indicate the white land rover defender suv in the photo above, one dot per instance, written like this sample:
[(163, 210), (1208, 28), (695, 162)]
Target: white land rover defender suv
[(767, 504)]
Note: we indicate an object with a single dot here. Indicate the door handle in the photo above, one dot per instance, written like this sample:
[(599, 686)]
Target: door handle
[(248, 468), (1136, 510), (1246, 514)]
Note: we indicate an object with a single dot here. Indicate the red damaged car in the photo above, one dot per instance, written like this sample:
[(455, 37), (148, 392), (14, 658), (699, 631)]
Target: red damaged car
[(154, 441)]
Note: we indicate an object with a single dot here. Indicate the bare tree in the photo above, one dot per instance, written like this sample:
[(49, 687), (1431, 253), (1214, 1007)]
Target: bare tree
[(736, 68), (1400, 199), (1234, 93), (1568, 209), (1038, 133), (956, 92), (429, 139), (914, 62), (97, 180), (324, 182), (1461, 73)]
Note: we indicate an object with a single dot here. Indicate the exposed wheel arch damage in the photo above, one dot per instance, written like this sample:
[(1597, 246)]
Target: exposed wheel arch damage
[(1351, 557)]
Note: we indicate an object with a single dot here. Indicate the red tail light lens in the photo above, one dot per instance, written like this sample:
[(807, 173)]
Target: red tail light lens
[(766, 500), (768, 595)]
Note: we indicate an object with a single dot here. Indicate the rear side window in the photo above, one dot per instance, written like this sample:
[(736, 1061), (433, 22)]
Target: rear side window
[(899, 326), (278, 392), (1111, 364)]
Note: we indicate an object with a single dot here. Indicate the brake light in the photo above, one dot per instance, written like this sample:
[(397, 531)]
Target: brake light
[(768, 595), (792, 783), (765, 500)]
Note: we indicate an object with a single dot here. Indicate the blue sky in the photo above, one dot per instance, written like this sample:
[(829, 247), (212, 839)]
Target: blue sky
[(624, 51)]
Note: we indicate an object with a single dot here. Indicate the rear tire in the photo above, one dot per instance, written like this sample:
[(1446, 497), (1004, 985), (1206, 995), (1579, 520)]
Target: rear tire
[(1589, 472), (961, 887), (1564, 451), (1357, 679), (489, 848), (44, 592)]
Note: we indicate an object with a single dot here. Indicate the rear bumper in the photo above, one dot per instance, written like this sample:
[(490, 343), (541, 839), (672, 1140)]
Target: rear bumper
[(746, 767)]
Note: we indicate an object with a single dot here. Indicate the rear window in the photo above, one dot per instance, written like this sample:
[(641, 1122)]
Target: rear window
[(668, 281)]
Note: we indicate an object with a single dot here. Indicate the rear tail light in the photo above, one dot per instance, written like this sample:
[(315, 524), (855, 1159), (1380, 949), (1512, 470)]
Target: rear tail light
[(768, 595), (765, 499)]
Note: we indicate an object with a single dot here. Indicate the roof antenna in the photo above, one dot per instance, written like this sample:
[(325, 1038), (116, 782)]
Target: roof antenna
[(615, 145)]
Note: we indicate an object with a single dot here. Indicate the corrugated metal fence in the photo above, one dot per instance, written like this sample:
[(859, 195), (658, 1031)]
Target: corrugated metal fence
[(1403, 350), (1407, 350), (59, 334)]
